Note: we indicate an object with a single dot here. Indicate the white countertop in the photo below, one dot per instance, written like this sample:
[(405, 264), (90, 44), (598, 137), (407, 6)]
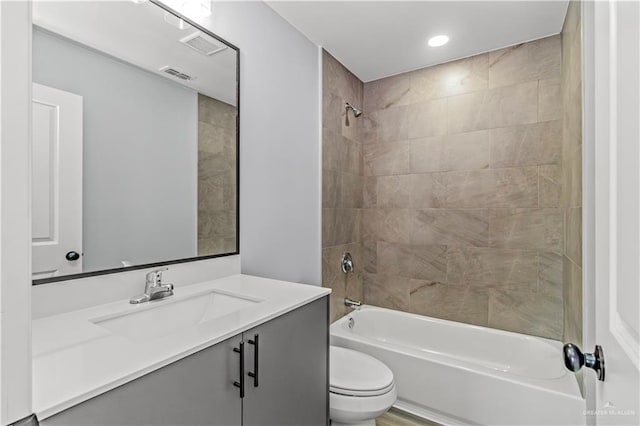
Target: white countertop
[(75, 360)]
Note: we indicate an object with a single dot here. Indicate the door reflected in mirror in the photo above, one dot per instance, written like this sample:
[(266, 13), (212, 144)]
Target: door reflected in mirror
[(135, 141)]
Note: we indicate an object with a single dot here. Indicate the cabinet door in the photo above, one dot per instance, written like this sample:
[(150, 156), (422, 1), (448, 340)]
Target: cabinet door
[(293, 381), (197, 390)]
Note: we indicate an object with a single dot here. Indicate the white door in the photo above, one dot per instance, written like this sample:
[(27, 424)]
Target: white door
[(616, 244), (56, 174)]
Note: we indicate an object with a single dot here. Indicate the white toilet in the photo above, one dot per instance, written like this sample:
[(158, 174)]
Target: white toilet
[(361, 388)]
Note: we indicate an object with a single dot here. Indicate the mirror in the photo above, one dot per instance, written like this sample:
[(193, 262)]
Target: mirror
[(135, 139)]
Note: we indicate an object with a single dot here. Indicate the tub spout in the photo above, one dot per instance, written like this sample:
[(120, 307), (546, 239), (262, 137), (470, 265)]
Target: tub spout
[(353, 304)]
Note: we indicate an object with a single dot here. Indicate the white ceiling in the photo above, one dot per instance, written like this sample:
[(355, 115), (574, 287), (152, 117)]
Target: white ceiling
[(376, 39), (139, 34)]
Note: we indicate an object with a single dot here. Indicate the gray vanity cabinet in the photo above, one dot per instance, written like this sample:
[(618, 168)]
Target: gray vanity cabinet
[(292, 386), (199, 389)]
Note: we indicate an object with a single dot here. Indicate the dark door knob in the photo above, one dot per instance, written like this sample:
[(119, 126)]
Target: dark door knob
[(574, 359), (72, 256)]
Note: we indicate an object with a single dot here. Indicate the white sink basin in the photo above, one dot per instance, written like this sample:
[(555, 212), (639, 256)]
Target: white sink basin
[(163, 317)]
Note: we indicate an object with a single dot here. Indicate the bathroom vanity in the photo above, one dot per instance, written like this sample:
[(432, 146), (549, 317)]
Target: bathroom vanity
[(239, 350)]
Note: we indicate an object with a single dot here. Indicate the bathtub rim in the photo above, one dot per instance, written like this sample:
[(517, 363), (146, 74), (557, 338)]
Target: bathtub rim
[(366, 307), (336, 329)]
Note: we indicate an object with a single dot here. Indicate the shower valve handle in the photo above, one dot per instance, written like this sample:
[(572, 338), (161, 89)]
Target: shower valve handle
[(574, 359)]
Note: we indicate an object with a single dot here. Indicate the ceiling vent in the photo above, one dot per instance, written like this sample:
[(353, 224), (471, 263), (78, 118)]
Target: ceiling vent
[(175, 73), (203, 44)]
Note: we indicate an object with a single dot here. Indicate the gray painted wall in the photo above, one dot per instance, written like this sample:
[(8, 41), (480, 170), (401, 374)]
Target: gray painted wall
[(280, 148), (140, 154)]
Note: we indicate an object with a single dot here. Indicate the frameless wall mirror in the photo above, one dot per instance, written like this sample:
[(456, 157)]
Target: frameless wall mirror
[(135, 139)]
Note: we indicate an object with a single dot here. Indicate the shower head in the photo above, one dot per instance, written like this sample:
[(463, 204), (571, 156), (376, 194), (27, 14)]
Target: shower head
[(357, 112)]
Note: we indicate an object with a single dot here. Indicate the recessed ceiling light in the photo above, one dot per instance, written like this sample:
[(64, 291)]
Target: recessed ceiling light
[(439, 40)]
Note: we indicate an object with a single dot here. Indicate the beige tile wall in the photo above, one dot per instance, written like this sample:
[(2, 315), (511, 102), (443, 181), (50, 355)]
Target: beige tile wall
[(217, 190), (462, 213), (571, 176), (342, 180)]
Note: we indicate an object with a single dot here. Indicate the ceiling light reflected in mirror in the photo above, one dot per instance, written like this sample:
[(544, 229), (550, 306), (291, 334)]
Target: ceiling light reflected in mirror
[(194, 9), (175, 21)]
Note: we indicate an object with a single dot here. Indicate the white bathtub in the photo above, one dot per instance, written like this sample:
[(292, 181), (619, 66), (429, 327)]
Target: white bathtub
[(455, 373)]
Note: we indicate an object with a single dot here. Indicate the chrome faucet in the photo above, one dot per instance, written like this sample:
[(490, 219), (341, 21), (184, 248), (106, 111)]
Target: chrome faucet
[(154, 289)]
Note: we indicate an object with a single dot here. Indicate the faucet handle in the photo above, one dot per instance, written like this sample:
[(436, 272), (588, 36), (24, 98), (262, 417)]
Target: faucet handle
[(154, 278)]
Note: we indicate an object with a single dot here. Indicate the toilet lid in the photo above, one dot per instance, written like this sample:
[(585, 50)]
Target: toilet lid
[(357, 374)]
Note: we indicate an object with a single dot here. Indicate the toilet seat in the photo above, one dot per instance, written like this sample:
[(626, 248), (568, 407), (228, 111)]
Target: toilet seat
[(354, 373), (351, 392)]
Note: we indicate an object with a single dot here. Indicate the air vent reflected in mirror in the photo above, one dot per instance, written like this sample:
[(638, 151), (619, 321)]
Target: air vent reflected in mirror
[(203, 44), (175, 73)]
